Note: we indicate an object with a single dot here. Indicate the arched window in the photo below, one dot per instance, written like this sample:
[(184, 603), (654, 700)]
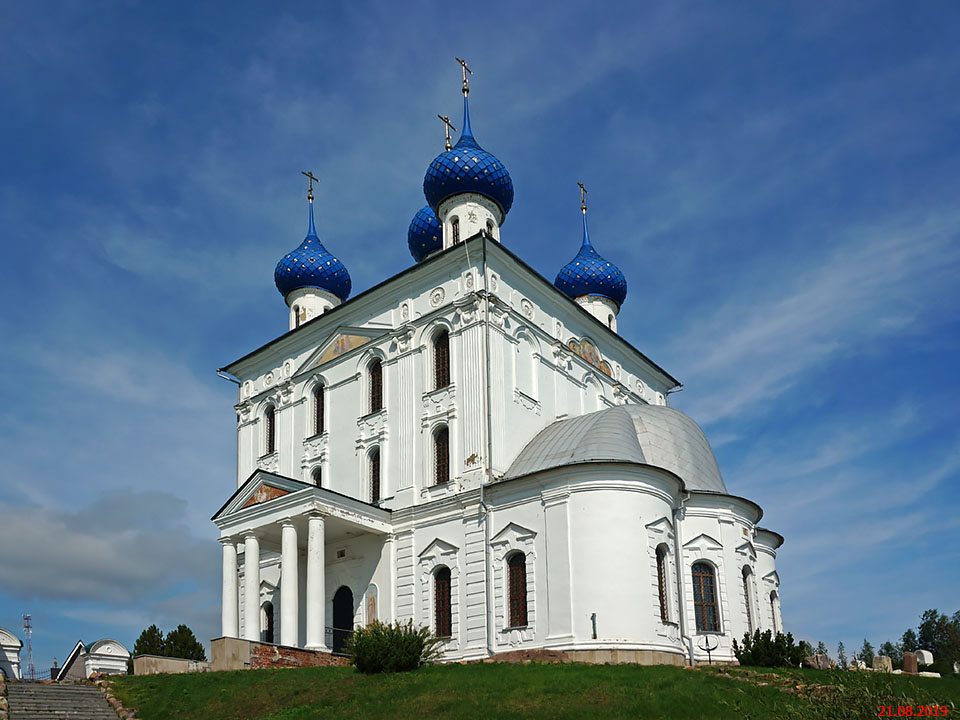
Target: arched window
[(318, 409), (266, 622), (610, 321), (441, 456), (375, 476), (490, 228), (376, 385), (773, 611), (662, 580), (296, 316), (443, 614), (705, 598), (270, 430), (746, 598), (317, 476), (441, 360), (517, 564), (455, 226)]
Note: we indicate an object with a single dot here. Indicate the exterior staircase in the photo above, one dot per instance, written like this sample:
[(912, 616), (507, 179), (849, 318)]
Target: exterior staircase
[(40, 701)]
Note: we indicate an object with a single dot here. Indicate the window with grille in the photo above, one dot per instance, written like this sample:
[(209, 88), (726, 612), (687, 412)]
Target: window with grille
[(662, 581), (773, 611), (455, 226), (705, 598), (318, 400), (441, 456), (375, 476), (746, 599), (443, 613), (441, 360), (517, 564), (270, 430), (376, 386)]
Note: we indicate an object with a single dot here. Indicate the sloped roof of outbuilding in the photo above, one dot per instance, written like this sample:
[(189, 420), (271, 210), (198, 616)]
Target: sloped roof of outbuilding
[(648, 434)]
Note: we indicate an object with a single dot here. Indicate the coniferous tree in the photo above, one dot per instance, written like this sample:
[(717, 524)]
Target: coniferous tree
[(866, 653), (822, 649), (893, 652), (841, 656), (150, 642), (908, 642), (182, 643)]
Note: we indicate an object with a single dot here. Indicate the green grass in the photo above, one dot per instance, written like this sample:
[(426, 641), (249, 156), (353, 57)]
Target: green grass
[(530, 691)]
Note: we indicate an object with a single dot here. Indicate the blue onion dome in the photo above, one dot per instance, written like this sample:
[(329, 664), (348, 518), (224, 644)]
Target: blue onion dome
[(590, 274), (468, 168), (311, 265), (425, 234)]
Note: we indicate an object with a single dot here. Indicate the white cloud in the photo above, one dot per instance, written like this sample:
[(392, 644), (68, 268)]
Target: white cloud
[(881, 281), (124, 549)]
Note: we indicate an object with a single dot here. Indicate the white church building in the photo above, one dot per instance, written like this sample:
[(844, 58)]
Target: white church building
[(476, 448)]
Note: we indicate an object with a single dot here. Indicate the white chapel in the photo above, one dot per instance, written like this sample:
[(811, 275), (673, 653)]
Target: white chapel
[(474, 447)]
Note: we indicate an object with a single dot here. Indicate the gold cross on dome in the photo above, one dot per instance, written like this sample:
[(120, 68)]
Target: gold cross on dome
[(583, 197), (463, 66), (311, 180), (448, 127)]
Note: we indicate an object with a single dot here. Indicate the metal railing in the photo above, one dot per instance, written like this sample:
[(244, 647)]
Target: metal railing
[(336, 639)]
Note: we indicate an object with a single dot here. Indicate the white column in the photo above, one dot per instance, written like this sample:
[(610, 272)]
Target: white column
[(230, 609), (289, 592), (316, 590), (251, 587)]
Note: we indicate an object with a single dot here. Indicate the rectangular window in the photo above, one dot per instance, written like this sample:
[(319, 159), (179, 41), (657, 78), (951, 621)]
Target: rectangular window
[(441, 454)]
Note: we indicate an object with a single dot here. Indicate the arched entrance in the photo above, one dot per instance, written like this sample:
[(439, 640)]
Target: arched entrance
[(266, 622), (342, 617)]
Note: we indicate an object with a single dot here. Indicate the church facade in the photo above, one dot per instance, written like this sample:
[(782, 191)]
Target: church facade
[(472, 447)]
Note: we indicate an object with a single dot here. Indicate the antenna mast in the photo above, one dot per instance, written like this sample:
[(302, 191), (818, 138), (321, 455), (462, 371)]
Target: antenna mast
[(28, 633)]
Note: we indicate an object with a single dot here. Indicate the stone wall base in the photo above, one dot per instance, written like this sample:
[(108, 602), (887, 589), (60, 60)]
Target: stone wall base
[(236, 654), (619, 657)]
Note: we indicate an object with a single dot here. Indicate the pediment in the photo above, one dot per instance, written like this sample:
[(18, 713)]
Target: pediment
[(748, 550), (703, 542), (108, 647), (340, 342), (438, 548), (265, 493), (512, 533), (261, 487), (772, 577), (661, 526), (8, 639)]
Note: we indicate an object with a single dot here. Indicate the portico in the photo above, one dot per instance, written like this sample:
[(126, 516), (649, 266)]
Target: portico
[(271, 515)]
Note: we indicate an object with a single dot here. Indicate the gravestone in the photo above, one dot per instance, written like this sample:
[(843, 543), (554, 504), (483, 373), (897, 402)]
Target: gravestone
[(909, 663), (956, 667), (924, 657), (882, 663)]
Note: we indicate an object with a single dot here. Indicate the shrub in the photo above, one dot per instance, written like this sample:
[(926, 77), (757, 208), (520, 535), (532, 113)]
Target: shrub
[(394, 647), (765, 650)]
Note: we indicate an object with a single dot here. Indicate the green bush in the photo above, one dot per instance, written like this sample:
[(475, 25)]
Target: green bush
[(765, 650), (397, 647)]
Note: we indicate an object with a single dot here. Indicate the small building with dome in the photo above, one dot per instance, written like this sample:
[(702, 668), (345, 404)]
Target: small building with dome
[(475, 448)]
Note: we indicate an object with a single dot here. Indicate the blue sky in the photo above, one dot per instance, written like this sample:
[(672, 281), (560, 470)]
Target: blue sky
[(778, 182)]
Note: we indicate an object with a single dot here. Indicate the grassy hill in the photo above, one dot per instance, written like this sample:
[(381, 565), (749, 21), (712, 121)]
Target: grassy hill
[(532, 691)]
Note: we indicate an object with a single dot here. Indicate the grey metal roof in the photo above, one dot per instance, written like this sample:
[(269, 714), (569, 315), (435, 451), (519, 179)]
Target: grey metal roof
[(649, 434)]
